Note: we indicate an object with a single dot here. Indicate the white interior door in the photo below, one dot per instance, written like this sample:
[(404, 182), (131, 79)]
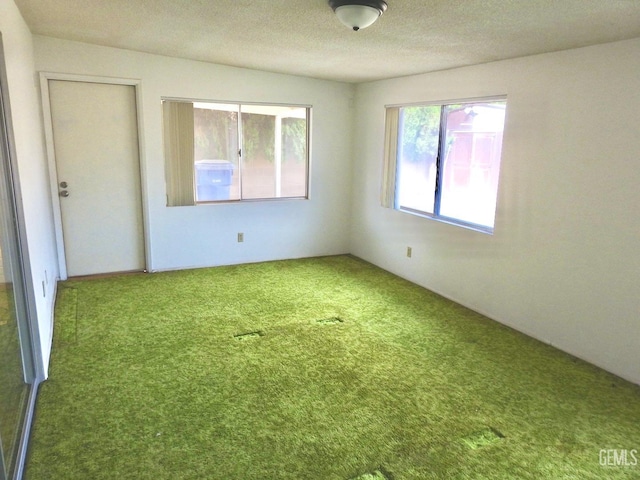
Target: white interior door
[(95, 136)]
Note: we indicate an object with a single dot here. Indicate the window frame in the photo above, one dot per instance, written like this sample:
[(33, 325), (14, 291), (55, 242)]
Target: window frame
[(194, 101), (390, 178)]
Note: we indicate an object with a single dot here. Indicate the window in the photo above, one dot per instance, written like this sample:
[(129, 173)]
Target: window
[(218, 152), (443, 161)]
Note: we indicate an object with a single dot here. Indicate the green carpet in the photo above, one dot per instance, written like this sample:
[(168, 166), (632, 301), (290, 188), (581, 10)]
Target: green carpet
[(325, 368)]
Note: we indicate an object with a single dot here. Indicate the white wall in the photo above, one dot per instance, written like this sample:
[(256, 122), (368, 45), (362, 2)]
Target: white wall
[(564, 262), (204, 235), (32, 166)]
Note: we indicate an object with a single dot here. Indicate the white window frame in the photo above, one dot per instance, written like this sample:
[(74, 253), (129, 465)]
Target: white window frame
[(171, 162), (389, 192)]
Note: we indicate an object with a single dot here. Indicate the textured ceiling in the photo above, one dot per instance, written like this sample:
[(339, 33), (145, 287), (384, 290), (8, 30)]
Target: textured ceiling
[(304, 37)]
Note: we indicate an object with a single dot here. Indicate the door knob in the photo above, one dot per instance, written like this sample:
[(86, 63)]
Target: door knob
[(64, 193), (64, 184)]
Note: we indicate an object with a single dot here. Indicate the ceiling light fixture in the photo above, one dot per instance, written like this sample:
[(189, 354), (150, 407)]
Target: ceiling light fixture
[(357, 14)]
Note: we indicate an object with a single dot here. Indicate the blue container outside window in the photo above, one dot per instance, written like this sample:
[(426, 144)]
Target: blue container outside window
[(213, 179)]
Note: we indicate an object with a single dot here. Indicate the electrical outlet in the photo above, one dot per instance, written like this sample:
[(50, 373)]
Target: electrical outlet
[(409, 252), (240, 237)]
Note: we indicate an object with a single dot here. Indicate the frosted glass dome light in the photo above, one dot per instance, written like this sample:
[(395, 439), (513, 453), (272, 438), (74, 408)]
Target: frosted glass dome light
[(357, 14)]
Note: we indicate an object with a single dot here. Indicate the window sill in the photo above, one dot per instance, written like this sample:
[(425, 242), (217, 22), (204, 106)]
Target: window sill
[(450, 221), (249, 200)]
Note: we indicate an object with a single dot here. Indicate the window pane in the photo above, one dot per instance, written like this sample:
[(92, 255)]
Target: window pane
[(471, 161), (216, 152), (274, 151), (294, 154), (417, 153)]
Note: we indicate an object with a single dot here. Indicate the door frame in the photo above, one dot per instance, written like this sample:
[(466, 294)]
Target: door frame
[(51, 157)]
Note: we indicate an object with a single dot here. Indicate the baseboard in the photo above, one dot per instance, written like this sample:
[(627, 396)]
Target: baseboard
[(49, 344)]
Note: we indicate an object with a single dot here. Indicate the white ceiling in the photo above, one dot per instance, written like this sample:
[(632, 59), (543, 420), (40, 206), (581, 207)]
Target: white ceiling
[(304, 37)]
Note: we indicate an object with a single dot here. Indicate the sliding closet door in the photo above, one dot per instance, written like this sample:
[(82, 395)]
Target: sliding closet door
[(17, 374), (14, 378)]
